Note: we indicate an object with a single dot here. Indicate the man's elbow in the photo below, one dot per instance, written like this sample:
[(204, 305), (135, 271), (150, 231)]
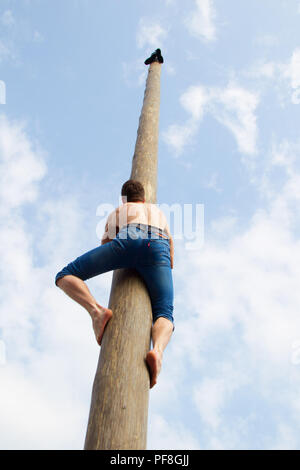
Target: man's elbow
[(105, 240)]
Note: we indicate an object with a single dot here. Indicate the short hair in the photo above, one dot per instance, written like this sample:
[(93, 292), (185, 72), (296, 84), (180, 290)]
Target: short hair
[(134, 190)]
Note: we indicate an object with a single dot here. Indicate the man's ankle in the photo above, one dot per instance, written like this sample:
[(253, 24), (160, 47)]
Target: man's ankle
[(93, 310)]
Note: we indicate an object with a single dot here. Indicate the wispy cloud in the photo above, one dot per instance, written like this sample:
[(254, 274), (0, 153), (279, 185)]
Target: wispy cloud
[(266, 40), (291, 71), (285, 74), (38, 37), (22, 167), (201, 22), (212, 183), (241, 321), (5, 51), (169, 435), (135, 72), (13, 33), (41, 349), (177, 136), (233, 106), (7, 18), (150, 33), (212, 394)]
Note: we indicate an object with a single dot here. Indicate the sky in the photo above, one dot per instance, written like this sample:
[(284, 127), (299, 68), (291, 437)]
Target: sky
[(72, 79)]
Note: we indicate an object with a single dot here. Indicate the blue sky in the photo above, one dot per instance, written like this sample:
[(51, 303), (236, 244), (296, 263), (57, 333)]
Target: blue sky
[(230, 95)]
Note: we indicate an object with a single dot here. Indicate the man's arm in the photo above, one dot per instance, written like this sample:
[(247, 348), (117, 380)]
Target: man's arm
[(105, 237), (172, 251), (171, 242)]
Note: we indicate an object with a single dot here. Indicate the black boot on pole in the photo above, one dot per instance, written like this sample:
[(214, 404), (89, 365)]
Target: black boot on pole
[(155, 57)]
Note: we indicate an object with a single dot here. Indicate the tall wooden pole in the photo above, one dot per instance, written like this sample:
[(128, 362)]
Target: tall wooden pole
[(119, 406)]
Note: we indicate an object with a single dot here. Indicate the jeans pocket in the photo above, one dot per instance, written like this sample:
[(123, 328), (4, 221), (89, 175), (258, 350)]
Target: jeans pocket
[(157, 252)]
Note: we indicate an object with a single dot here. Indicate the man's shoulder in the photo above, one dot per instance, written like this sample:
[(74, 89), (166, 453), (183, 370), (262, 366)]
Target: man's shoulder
[(155, 207), (152, 205)]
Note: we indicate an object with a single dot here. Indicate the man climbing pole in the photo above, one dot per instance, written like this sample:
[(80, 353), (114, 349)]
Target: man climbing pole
[(136, 236)]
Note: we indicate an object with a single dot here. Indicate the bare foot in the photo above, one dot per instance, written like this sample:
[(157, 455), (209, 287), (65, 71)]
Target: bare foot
[(154, 361), (100, 317)]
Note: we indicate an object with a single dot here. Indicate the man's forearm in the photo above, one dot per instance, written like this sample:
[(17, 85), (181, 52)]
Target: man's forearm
[(172, 252), (105, 240)]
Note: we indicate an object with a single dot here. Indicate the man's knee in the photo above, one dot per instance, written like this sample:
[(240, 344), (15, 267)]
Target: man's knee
[(162, 319), (58, 282)]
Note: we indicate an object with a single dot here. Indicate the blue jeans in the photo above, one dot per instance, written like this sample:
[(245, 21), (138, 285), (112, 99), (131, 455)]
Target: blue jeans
[(133, 247)]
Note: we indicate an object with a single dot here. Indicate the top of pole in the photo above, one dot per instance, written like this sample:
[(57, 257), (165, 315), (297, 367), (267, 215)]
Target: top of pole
[(155, 57)]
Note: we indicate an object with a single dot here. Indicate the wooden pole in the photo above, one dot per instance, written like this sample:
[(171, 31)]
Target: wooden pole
[(119, 406)]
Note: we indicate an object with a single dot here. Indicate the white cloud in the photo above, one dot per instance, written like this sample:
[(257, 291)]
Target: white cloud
[(22, 167), (267, 40), (212, 394), (4, 51), (150, 33), (11, 36), (169, 435), (200, 22), (212, 183), (7, 18), (286, 75), (234, 107), (291, 71), (31, 416), (237, 113), (135, 73), (178, 136), (48, 338), (285, 439), (262, 69), (38, 37), (236, 312), (170, 69), (209, 397), (241, 320), (195, 99)]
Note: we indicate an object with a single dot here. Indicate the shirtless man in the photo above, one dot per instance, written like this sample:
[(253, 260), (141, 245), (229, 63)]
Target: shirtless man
[(120, 225)]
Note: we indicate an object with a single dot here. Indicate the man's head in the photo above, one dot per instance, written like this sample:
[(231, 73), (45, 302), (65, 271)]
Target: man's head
[(133, 191)]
